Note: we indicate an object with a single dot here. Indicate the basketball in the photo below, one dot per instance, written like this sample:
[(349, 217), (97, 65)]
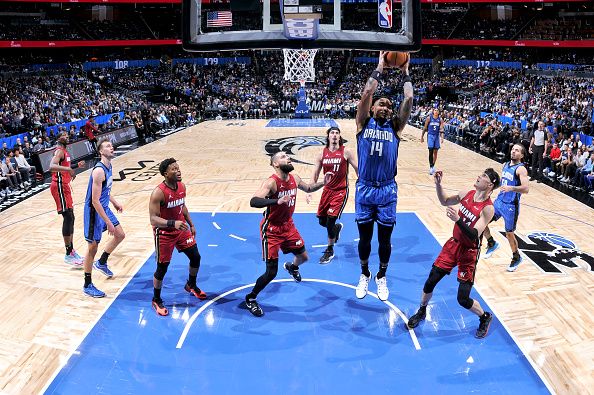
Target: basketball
[(396, 59)]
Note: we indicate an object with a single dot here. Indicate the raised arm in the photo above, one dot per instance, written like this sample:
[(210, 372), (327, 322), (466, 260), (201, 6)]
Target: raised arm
[(312, 186), (443, 199), (367, 95), (407, 102)]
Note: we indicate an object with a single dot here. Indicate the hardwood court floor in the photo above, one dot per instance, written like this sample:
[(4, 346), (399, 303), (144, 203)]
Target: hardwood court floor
[(46, 315)]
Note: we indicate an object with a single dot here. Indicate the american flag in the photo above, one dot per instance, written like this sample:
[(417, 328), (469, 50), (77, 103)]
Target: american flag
[(219, 18)]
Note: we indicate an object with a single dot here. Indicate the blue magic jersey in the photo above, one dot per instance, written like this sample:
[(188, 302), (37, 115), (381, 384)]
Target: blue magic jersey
[(509, 177), (105, 187), (377, 151), (434, 124)]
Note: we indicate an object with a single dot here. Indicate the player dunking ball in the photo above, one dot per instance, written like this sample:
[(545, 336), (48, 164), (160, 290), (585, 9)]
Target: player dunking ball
[(463, 248), (62, 173), (434, 129), (172, 227), (335, 158), (376, 195), (514, 183), (98, 218), (277, 230)]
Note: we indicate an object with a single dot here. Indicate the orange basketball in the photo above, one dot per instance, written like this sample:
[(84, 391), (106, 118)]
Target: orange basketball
[(396, 59)]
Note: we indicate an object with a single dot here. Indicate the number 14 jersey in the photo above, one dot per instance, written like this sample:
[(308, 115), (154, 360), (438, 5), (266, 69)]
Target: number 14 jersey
[(377, 151)]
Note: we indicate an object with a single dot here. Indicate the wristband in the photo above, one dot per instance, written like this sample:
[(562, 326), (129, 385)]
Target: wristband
[(171, 223), (407, 78), (376, 75)]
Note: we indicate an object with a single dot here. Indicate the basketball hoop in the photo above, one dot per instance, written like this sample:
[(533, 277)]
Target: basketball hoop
[(299, 65)]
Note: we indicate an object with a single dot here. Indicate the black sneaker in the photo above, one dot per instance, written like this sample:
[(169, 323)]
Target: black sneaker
[(328, 255), (337, 229), (254, 307), (294, 273), (416, 319), (484, 325)]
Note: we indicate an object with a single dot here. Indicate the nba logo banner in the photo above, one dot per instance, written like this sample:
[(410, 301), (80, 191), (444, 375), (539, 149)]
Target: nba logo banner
[(384, 13)]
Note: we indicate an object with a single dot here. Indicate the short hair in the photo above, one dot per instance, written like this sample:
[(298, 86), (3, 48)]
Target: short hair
[(164, 165), (101, 142), (493, 177), (523, 150), (273, 156), (380, 96)]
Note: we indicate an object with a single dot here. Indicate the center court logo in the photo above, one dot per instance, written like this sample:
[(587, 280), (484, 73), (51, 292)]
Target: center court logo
[(552, 252), (292, 145)]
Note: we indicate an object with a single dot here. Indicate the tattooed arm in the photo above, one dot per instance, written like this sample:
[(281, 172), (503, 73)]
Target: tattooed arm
[(367, 96)]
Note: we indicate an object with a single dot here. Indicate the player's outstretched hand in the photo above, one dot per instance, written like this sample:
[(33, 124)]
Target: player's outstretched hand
[(452, 213), (438, 176)]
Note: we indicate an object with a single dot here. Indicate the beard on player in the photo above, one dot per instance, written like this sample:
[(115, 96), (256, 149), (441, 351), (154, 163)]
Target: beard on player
[(287, 168)]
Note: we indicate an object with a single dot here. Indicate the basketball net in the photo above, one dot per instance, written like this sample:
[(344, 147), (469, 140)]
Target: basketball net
[(299, 65)]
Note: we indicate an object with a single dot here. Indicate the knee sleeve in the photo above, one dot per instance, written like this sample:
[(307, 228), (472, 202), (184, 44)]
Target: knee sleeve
[(68, 223), (323, 221), (331, 228), (365, 235), (464, 298), (271, 269), (161, 270), (384, 234), (435, 275), (194, 256)]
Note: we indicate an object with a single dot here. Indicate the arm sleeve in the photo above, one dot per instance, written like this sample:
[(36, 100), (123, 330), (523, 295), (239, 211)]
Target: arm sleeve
[(467, 230), (262, 202)]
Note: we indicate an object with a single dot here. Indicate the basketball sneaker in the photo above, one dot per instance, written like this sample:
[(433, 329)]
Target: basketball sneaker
[(382, 288), (73, 259), (93, 292), (160, 307), (103, 269), (419, 316), (361, 290), (254, 307), (337, 229), (484, 324), (431, 171), (328, 255), (491, 250), (515, 262), (194, 290), (294, 273)]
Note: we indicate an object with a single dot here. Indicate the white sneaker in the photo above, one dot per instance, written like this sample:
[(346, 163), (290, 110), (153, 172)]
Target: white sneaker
[(361, 290), (431, 171), (382, 288), (551, 174)]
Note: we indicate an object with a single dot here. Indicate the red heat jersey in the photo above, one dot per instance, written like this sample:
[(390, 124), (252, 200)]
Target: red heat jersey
[(470, 212), (63, 177), (336, 163), (173, 204), (279, 214)]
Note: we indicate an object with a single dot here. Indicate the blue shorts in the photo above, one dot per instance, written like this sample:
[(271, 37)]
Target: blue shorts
[(376, 203), (433, 141), (509, 212), (94, 224)]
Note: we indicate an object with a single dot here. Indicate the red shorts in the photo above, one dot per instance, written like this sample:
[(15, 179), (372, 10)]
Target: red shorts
[(62, 195), (454, 254), (165, 240), (284, 237), (332, 202)]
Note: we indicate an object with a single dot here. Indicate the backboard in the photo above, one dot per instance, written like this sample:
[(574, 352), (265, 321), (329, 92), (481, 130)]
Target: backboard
[(227, 25)]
